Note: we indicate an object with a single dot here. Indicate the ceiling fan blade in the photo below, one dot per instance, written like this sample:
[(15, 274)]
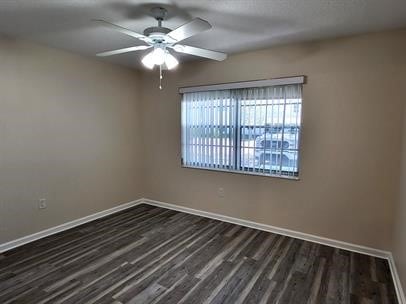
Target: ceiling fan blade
[(122, 30), (189, 29), (125, 50), (186, 49)]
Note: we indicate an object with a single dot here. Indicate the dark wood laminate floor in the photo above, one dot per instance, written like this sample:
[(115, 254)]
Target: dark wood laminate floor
[(153, 255)]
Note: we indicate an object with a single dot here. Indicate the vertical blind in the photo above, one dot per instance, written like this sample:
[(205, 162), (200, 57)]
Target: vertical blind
[(252, 130), (208, 126)]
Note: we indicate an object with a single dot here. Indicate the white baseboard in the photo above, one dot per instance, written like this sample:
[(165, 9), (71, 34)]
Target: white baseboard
[(294, 234), (44, 233), (273, 229), (396, 280)]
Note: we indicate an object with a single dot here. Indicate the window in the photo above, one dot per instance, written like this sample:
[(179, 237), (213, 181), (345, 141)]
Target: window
[(253, 130)]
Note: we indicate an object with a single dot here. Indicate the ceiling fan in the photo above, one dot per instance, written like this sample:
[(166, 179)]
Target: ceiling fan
[(162, 40)]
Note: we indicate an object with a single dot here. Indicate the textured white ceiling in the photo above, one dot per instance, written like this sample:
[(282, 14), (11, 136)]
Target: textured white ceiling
[(238, 25)]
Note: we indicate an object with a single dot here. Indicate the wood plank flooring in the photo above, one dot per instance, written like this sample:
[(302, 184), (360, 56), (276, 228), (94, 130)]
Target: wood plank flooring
[(152, 255)]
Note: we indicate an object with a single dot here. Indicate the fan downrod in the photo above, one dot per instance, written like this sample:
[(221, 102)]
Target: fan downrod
[(159, 13)]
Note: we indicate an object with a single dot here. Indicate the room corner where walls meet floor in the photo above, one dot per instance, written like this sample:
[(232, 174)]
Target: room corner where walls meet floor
[(224, 218)]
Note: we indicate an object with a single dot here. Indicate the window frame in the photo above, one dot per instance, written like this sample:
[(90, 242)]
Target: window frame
[(238, 126)]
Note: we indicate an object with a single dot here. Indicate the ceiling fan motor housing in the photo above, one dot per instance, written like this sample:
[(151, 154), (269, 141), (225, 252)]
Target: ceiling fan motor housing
[(156, 31)]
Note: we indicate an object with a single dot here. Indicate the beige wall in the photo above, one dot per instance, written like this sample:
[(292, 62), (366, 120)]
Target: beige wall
[(399, 250), (69, 132), (350, 145), (88, 135)]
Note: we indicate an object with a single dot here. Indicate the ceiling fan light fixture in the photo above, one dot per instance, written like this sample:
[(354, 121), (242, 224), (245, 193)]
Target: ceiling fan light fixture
[(158, 55), (148, 61), (170, 61)]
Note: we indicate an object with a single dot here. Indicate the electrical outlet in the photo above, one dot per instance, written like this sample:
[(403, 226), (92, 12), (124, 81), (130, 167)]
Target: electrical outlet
[(42, 203), (221, 192)]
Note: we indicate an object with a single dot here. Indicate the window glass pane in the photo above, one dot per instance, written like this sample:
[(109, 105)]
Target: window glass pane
[(269, 128), (253, 130), (207, 130)]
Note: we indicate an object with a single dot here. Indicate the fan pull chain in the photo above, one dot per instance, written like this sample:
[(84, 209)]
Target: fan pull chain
[(160, 77)]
